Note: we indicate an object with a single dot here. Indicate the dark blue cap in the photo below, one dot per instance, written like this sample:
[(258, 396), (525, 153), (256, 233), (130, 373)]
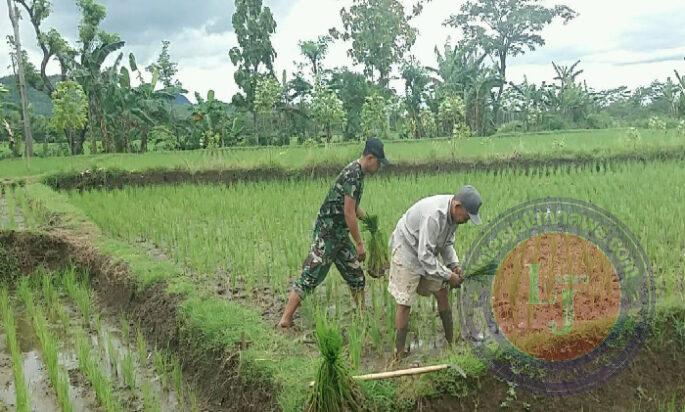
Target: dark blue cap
[(375, 147)]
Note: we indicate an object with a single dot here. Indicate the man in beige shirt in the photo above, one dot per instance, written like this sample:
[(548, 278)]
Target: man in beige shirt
[(423, 235)]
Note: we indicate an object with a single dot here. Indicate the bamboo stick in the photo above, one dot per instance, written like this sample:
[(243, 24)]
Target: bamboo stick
[(398, 373)]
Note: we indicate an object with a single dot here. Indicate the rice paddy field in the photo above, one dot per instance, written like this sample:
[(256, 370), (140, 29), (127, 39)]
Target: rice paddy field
[(564, 144), (65, 355), (185, 320), (251, 239)]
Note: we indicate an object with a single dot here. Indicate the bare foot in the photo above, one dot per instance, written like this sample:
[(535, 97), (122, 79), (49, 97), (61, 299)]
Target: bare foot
[(285, 325), (397, 359)]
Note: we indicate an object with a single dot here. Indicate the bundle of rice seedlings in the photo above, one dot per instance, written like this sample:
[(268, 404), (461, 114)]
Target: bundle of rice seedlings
[(378, 261), (334, 388), (482, 274)]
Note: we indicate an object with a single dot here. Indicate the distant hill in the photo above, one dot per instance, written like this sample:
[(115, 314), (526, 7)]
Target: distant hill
[(40, 101), (42, 104), (181, 100)]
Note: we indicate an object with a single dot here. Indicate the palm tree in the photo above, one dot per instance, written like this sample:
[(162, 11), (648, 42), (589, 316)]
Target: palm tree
[(567, 75)]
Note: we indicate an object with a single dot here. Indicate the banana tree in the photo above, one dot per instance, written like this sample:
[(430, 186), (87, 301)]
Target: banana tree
[(5, 122), (461, 72), (210, 116), (139, 108), (528, 100), (85, 66), (567, 75), (416, 81)]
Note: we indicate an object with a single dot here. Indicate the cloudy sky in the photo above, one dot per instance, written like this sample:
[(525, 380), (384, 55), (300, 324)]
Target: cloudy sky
[(620, 42)]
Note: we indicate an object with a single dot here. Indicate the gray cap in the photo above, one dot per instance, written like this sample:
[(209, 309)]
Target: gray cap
[(469, 197)]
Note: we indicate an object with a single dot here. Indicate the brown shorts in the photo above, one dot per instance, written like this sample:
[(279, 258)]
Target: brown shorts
[(405, 282)]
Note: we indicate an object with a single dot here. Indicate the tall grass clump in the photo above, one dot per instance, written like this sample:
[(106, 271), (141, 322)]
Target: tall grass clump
[(334, 388)]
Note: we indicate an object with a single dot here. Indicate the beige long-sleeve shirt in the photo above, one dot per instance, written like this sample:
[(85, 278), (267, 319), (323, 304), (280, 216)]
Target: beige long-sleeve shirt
[(424, 233)]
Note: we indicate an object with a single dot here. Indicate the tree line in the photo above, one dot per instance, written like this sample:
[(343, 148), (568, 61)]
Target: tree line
[(125, 107)]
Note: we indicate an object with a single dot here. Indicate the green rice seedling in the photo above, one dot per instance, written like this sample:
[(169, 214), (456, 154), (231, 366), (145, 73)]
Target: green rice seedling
[(141, 346), (112, 355), (334, 388), (159, 360), (177, 377), (128, 370), (11, 212), (378, 260), (50, 347), (79, 294), (355, 343), (150, 400), (10, 328), (97, 322), (194, 404), (50, 295), (125, 329), (90, 367), (375, 332)]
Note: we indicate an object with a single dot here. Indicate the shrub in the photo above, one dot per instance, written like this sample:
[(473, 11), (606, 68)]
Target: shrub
[(515, 126), (599, 121)]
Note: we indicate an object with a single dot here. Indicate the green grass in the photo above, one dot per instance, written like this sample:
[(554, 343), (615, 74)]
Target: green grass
[(210, 323), (241, 230), (209, 231), (10, 328), (579, 142)]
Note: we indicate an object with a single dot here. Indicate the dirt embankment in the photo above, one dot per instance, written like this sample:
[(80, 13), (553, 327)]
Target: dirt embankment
[(113, 178), (650, 383), (214, 371)]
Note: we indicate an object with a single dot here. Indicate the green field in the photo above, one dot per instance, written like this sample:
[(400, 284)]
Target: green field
[(559, 144), (262, 230), (256, 235), (228, 253)]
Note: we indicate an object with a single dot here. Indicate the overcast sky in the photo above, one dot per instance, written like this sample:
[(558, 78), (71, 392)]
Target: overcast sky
[(620, 42)]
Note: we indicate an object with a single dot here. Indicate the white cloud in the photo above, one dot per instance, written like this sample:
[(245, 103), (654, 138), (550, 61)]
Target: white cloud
[(606, 37)]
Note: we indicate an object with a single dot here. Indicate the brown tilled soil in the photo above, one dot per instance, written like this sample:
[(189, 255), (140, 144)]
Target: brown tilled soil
[(648, 384)]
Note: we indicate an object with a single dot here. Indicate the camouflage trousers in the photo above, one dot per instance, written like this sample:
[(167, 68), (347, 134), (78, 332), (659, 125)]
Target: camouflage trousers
[(330, 245)]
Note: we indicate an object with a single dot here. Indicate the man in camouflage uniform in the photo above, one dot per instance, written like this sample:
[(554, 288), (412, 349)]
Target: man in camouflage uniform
[(335, 223)]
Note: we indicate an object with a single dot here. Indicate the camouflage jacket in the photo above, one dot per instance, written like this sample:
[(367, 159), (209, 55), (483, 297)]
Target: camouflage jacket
[(349, 182)]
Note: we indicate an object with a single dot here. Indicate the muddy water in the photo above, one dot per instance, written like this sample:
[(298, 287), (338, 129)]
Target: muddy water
[(18, 222), (41, 394), (166, 399)]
